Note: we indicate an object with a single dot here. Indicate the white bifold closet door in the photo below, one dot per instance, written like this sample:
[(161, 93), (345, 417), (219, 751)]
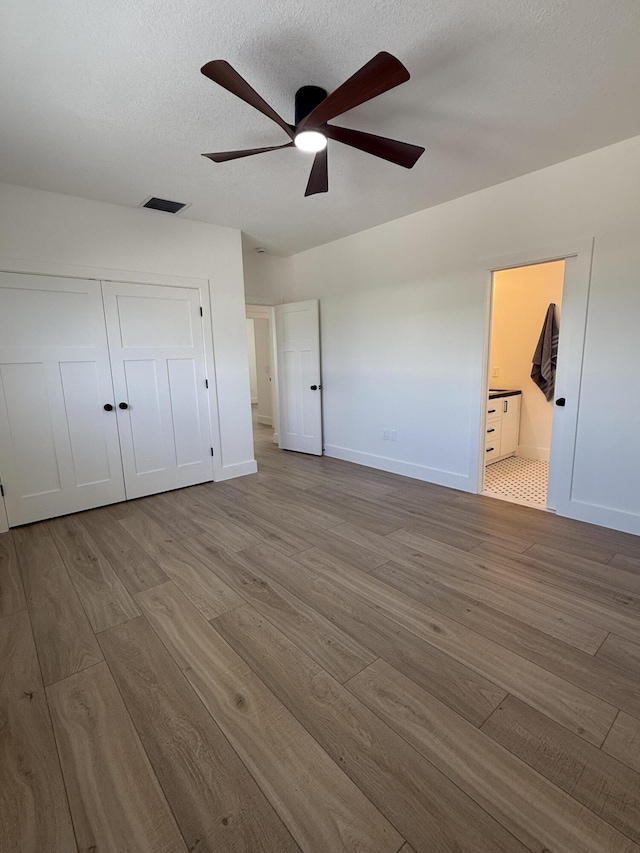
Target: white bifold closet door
[(157, 355), (59, 449)]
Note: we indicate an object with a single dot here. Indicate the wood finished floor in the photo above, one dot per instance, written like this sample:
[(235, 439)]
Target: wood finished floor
[(320, 658)]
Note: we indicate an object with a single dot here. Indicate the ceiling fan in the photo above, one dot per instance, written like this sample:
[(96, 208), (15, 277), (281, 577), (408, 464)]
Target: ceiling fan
[(314, 108)]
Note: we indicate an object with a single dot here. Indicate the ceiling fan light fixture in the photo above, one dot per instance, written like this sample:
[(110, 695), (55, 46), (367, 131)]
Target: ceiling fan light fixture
[(310, 140), (314, 109)]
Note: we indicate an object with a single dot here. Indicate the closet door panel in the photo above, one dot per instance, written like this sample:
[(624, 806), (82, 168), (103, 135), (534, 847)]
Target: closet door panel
[(183, 391), (46, 312), (29, 456), (145, 439), (59, 449), (157, 355), (155, 320), (85, 415)]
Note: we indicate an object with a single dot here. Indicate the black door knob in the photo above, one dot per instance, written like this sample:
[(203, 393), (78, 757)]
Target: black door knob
[(561, 401), (108, 407), (314, 387), (123, 405)]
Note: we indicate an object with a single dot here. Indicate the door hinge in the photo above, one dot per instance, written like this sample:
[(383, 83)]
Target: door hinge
[(212, 451), (206, 383), (1, 490), (201, 314)]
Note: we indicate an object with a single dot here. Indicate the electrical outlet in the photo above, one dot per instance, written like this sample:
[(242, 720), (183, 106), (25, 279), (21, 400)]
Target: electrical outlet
[(385, 435), (392, 435), (495, 372)]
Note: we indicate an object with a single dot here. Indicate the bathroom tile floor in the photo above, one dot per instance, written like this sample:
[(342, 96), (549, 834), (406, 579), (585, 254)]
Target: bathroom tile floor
[(518, 479)]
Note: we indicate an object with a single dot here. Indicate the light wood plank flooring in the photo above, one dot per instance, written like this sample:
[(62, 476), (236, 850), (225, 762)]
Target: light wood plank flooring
[(319, 658)]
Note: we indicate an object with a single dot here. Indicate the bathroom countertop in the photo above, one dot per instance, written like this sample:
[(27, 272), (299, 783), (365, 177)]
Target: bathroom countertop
[(494, 394)]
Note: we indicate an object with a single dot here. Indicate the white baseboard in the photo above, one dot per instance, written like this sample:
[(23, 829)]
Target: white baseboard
[(528, 451), (262, 419), (397, 466), (240, 469), (604, 516), (276, 438)]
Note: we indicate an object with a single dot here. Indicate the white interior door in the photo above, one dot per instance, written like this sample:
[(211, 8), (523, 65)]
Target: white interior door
[(575, 300), (299, 378), (158, 364), (59, 450)]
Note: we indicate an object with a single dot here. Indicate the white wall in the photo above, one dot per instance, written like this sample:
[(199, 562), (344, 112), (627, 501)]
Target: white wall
[(521, 297), (253, 369), (48, 233), (265, 277), (403, 321)]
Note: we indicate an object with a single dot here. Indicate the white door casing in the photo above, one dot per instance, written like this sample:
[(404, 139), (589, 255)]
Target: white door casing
[(159, 372), (298, 367), (59, 449)]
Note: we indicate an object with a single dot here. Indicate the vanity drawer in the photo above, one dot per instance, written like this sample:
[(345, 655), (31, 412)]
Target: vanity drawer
[(494, 409), (494, 428), (492, 451)]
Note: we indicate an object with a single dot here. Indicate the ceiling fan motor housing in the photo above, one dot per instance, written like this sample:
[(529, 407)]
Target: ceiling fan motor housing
[(307, 99)]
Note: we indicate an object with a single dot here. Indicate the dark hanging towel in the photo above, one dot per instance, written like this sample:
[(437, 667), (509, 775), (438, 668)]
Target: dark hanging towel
[(545, 358)]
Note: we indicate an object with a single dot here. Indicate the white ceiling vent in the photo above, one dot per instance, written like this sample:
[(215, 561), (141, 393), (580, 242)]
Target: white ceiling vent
[(164, 205)]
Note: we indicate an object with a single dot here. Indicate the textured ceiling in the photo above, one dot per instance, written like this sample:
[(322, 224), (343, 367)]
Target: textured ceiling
[(105, 100)]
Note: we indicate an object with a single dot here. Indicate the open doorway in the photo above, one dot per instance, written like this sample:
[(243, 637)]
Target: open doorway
[(283, 345), (526, 311), (259, 348)]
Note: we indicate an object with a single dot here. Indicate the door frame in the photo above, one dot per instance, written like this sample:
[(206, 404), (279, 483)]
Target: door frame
[(256, 308), (578, 256), (255, 311), (46, 268), (4, 521)]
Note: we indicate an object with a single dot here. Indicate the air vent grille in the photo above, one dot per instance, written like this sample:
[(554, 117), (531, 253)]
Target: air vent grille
[(164, 205)]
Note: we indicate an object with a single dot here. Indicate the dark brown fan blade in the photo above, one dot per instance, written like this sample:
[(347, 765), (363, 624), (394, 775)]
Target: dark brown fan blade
[(400, 153), (224, 75), (380, 74), (223, 156), (319, 177)]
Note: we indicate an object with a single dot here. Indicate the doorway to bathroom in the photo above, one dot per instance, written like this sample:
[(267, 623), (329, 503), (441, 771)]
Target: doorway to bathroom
[(575, 259), (525, 329)]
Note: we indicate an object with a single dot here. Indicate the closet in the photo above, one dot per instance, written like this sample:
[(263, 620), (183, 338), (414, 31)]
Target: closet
[(103, 393)]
